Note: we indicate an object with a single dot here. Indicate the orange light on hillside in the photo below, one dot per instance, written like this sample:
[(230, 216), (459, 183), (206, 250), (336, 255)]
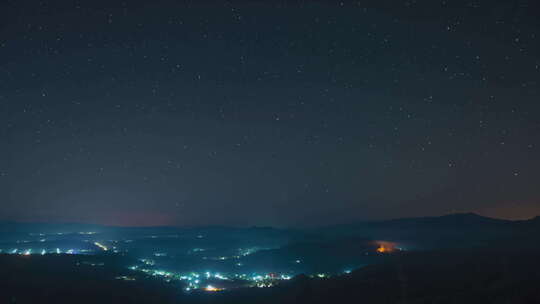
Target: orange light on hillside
[(385, 247)]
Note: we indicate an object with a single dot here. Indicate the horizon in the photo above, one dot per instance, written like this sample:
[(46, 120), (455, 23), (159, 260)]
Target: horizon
[(359, 221)]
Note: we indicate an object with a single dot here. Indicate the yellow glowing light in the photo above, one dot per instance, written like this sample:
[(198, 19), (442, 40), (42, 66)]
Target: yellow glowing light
[(385, 247), (212, 288), (101, 246)]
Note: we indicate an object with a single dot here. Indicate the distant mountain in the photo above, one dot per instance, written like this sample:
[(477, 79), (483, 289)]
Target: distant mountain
[(451, 219), (10, 226), (454, 230), (20, 227), (534, 221)]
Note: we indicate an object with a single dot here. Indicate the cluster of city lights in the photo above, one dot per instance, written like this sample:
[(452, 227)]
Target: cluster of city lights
[(210, 281), (242, 252), (31, 251), (202, 280)]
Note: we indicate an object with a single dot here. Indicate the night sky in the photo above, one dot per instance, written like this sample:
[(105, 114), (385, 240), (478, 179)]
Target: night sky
[(284, 113)]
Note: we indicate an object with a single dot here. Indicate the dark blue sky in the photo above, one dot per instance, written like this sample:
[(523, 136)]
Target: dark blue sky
[(268, 112)]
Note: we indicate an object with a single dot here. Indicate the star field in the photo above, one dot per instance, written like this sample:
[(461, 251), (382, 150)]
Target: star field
[(268, 112)]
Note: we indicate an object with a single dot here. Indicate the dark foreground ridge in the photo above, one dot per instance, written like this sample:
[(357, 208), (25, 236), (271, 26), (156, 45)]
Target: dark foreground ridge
[(459, 276)]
